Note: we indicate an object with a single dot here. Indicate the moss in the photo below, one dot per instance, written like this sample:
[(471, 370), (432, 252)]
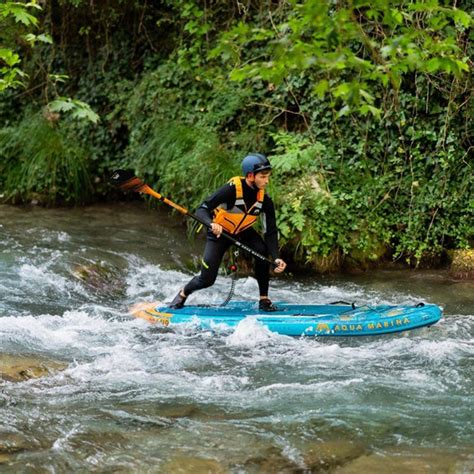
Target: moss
[(462, 264)]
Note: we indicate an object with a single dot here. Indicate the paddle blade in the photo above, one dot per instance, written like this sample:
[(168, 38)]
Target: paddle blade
[(126, 180)]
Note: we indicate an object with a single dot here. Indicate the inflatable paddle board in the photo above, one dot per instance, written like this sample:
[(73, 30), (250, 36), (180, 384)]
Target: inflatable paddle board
[(297, 320)]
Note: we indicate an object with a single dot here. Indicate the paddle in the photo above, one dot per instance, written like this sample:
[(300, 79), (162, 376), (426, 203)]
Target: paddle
[(127, 181)]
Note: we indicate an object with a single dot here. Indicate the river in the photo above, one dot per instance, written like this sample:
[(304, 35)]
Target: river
[(133, 397)]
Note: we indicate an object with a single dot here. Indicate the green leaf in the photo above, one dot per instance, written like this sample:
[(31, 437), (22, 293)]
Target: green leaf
[(77, 108), (298, 220), (61, 105), (433, 65), (44, 38), (20, 14), (9, 57), (462, 17), (367, 108), (344, 111), (321, 88), (368, 97), (58, 77)]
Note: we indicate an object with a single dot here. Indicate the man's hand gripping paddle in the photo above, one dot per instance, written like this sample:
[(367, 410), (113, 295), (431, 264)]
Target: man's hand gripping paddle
[(127, 181)]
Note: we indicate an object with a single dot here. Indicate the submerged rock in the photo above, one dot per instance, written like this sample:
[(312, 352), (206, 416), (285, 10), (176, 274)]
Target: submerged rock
[(422, 461), (18, 368), (331, 454), (271, 461), (177, 411), (100, 278), (193, 465), (11, 444)]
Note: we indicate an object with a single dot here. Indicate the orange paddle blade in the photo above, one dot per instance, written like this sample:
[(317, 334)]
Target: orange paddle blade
[(126, 180), (133, 184)]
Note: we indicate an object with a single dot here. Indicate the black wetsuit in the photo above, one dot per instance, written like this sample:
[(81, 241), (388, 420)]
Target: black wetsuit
[(216, 247)]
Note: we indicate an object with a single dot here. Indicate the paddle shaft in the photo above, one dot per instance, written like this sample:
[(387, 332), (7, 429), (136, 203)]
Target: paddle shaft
[(147, 190)]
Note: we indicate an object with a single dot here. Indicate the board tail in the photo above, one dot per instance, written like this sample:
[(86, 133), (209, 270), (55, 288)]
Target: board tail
[(146, 310)]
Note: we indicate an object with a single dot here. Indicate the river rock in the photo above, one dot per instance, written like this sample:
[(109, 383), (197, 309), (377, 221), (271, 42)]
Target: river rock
[(18, 368), (416, 462), (331, 454), (176, 411), (11, 444), (462, 264), (193, 465), (100, 277), (272, 461)]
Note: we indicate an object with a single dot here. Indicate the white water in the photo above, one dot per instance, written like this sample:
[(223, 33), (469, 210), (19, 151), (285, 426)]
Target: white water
[(134, 396)]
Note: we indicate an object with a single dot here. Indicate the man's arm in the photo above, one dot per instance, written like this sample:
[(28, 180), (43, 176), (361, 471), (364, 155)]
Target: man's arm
[(224, 195), (269, 227)]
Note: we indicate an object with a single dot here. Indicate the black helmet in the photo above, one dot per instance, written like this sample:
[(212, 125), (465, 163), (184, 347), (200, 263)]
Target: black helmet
[(254, 163)]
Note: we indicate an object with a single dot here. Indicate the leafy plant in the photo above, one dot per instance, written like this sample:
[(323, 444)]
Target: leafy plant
[(363, 108), (40, 162)]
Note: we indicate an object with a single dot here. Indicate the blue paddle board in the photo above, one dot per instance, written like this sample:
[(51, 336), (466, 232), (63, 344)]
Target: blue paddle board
[(297, 320)]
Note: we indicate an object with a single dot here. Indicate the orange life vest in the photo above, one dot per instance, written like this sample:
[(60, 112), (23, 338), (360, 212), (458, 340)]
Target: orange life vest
[(238, 218)]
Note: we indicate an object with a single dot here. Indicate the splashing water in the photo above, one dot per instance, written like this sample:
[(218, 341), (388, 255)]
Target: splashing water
[(137, 397)]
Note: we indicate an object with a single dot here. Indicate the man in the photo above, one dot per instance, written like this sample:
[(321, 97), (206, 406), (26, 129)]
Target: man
[(235, 208)]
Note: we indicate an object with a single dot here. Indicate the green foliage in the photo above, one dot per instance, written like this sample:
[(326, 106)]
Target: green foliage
[(176, 141), (192, 142), (76, 108), (41, 161), (11, 74), (349, 50), (361, 187), (19, 12), (362, 106)]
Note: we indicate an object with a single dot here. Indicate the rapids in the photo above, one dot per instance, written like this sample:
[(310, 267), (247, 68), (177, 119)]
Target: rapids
[(138, 397)]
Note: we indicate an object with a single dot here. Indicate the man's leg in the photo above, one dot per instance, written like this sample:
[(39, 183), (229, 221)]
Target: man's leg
[(213, 254), (262, 268)]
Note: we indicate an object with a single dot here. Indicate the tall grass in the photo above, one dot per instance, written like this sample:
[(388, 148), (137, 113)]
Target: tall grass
[(40, 161), (184, 162)]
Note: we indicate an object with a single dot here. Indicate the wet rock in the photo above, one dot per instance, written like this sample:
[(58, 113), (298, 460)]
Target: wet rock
[(17, 368), (415, 462), (204, 413), (90, 442), (99, 277), (177, 411), (11, 444), (272, 461), (462, 264), (193, 465), (331, 454)]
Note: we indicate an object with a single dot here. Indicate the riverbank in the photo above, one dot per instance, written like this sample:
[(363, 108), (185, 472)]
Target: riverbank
[(455, 265)]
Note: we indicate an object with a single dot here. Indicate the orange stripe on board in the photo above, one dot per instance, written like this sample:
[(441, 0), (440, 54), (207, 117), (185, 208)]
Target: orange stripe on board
[(146, 311)]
